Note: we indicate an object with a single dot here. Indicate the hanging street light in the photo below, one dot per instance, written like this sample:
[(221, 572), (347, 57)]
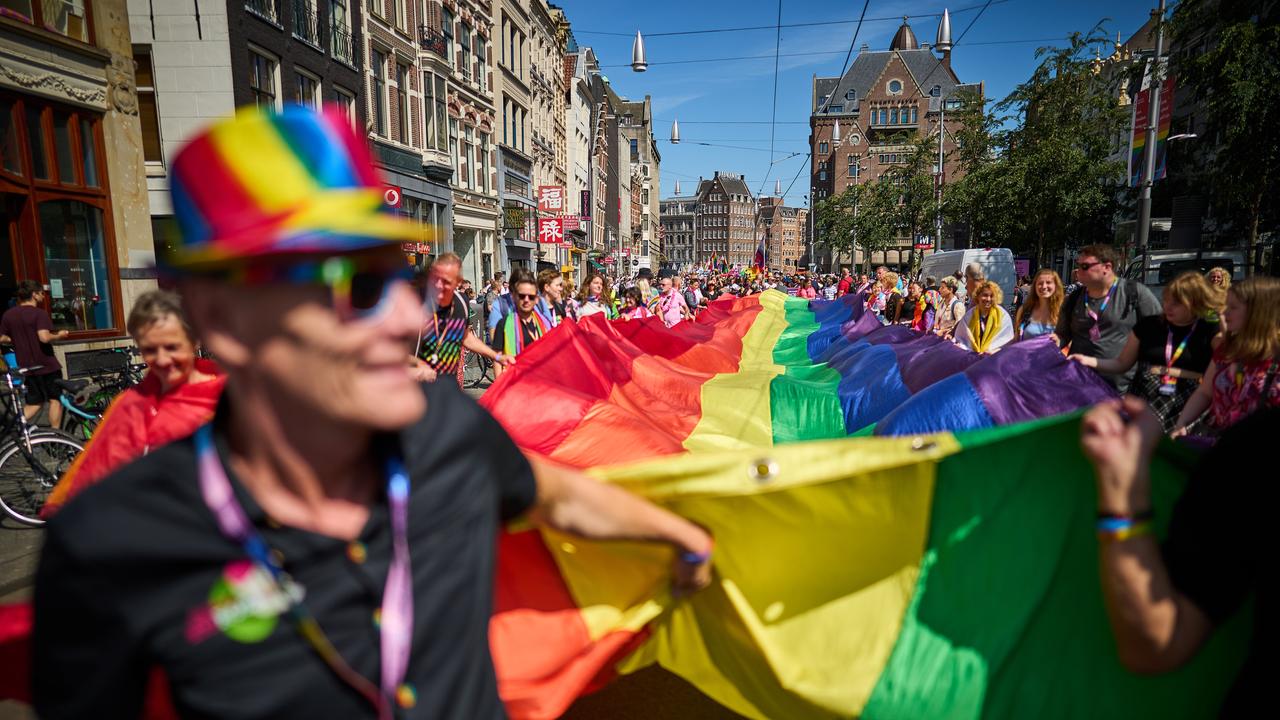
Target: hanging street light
[(675, 132), (777, 188), (638, 61), (677, 187)]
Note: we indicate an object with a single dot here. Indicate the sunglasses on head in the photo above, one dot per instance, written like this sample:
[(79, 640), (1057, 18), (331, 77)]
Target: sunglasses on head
[(359, 287)]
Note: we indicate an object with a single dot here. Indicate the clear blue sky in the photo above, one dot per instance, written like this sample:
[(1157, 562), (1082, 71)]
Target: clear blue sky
[(701, 95)]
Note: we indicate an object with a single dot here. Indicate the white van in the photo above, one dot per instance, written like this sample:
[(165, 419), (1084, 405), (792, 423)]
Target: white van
[(996, 263)]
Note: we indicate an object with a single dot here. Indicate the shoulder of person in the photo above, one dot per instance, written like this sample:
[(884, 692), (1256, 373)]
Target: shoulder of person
[(121, 517)]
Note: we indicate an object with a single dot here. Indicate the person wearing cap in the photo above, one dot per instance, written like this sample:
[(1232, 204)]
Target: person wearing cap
[(325, 547)]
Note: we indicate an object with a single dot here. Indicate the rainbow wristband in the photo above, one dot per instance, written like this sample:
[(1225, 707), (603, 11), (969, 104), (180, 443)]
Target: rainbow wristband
[(1118, 528)]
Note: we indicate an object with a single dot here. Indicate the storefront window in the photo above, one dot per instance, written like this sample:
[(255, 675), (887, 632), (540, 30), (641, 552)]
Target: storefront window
[(62, 148), (76, 266), (10, 148), (88, 153), (35, 141)]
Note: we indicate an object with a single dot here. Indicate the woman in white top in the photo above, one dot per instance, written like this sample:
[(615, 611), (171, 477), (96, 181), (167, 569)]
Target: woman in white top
[(987, 327), (950, 308)]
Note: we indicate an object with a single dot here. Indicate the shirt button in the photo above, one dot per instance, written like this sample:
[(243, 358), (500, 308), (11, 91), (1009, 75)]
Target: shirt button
[(356, 552)]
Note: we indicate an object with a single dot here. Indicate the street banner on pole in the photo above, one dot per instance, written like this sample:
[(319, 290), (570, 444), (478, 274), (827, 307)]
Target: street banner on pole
[(1138, 136), (1162, 128)]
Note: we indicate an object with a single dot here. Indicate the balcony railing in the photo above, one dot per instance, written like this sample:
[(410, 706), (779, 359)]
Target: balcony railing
[(342, 44), (306, 23), (433, 41), (263, 8)]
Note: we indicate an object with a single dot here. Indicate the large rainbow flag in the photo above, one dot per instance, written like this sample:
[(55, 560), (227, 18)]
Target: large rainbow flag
[(949, 572)]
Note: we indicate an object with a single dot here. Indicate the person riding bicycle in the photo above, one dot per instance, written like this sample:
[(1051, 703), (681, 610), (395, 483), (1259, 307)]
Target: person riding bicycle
[(177, 396), (325, 546)]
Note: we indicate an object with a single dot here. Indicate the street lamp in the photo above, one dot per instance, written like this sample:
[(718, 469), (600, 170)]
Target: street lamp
[(638, 61), (675, 132)]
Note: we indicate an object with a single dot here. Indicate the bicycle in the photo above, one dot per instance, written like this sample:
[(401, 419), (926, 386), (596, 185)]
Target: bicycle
[(478, 368), (32, 459), (83, 402)]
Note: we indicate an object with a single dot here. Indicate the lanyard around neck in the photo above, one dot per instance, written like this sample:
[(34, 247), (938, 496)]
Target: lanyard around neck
[(1105, 301), (396, 616)]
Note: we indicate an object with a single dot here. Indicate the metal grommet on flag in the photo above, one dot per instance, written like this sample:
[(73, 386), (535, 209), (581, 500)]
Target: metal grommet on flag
[(919, 443), (763, 470)]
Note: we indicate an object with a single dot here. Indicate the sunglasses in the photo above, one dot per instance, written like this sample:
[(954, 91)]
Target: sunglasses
[(1085, 267), (527, 296), (358, 288)]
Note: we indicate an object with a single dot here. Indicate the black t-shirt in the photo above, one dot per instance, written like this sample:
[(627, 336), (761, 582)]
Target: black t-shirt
[(442, 337), (132, 567), (529, 329), (1153, 333), (22, 324), (1220, 543)]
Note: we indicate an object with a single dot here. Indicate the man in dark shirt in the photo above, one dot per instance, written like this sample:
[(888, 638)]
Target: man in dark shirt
[(1096, 319), (325, 548), (30, 329), (522, 327), (1164, 603)]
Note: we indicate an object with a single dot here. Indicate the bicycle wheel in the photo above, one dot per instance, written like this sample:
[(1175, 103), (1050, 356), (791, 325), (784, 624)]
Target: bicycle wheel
[(473, 371), (27, 476)]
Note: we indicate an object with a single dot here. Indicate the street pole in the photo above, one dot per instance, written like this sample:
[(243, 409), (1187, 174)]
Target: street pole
[(1149, 146), (942, 129)]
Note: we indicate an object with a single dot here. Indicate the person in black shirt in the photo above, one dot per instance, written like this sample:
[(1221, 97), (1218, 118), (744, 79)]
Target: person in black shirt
[(447, 329), (1165, 602), (30, 329), (1172, 350), (325, 547)]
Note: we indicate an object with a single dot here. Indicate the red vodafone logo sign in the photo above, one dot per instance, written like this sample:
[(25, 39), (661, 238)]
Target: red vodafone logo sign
[(391, 195)]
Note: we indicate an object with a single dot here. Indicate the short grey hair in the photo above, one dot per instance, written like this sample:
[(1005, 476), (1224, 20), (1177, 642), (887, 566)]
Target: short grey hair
[(153, 307), (951, 282), (973, 271)]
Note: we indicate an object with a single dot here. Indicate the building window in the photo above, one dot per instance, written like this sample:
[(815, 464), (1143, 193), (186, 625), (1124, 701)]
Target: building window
[(482, 164), (453, 149), (402, 15), (307, 90), (480, 63), (851, 94), (895, 87), (823, 148), (379, 95), (447, 23), (935, 91), (635, 150), (263, 80), (893, 116), (402, 104), (341, 46), (835, 108), (65, 17), (469, 154), (884, 117), (434, 110), (913, 116), (148, 114), (306, 21), (63, 234), (463, 60), (347, 101), (375, 7)]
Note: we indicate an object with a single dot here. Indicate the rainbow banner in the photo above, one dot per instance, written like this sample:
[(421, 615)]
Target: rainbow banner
[(938, 574)]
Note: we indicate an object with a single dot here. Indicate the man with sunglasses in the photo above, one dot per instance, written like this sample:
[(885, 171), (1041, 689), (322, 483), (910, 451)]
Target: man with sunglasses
[(448, 327), (326, 546), (1096, 319), (526, 324)]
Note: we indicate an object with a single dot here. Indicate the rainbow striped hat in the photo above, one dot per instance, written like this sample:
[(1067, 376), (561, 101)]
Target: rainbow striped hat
[(266, 184)]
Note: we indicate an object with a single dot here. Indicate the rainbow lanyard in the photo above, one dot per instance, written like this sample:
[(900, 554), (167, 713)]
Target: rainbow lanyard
[(396, 614), (1095, 332), (1171, 356)]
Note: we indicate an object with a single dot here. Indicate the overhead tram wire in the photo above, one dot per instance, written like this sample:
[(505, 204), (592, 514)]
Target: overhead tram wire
[(826, 23), (773, 121)]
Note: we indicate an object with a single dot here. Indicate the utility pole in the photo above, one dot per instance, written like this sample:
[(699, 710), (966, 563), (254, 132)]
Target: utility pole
[(1149, 145), (942, 129)]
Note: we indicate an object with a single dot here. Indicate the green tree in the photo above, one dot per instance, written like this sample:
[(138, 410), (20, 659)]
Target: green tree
[(1063, 178), (862, 217), (1235, 80), (914, 208)]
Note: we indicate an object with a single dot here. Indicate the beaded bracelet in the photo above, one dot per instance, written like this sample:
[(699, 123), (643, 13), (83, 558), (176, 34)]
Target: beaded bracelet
[(1123, 528)]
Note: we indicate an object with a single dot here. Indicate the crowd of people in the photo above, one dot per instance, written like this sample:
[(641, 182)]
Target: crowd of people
[(308, 447)]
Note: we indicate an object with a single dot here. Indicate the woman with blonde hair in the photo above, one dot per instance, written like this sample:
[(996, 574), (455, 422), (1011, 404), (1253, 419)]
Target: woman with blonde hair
[(1241, 378), (1038, 314), (987, 327), (1219, 283), (1172, 350)]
